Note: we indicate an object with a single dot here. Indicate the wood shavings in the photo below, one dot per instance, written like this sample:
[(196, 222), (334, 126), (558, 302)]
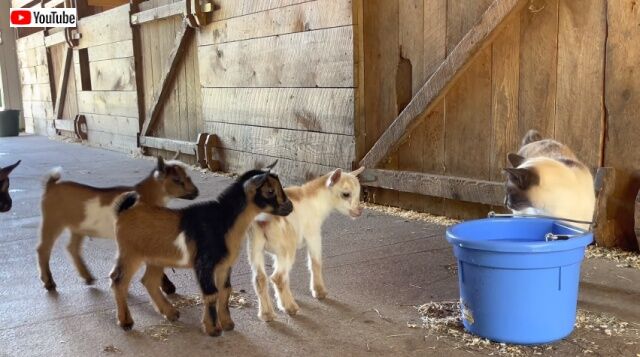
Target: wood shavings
[(236, 300), (624, 259), (411, 215), (162, 332), (111, 349)]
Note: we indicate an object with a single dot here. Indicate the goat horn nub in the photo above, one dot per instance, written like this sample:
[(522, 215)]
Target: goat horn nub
[(270, 167)]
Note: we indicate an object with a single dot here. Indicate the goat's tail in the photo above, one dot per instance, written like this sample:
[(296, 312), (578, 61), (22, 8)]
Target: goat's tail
[(125, 201), (531, 136), (52, 177)]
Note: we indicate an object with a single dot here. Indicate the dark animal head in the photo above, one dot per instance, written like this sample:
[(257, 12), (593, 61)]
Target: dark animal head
[(264, 189), (5, 199), (520, 181), (175, 180)]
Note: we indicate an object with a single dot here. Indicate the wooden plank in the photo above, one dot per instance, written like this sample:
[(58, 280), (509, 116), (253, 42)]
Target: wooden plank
[(505, 78), (137, 53), (604, 218), (34, 75), (472, 43), (185, 147), (62, 83), (113, 75), (637, 218), (32, 41), (455, 188), (307, 16), (126, 126), (113, 142), (234, 8), (32, 57), (23, 3), (291, 172), (538, 67), (54, 39), (108, 103), (36, 92), (622, 102), (106, 27), (65, 124), (580, 90), (327, 110), (122, 49), (156, 13), (322, 58), (461, 16), (161, 92), (54, 3), (318, 148)]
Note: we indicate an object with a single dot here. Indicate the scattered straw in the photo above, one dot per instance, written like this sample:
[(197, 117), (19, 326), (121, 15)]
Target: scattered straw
[(236, 300), (442, 320), (412, 215), (111, 349), (239, 301), (624, 259)]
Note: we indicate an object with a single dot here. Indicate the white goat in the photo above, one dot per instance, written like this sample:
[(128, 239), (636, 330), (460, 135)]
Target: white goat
[(281, 237)]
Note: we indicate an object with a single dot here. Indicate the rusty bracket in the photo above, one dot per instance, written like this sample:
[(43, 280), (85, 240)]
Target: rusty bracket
[(80, 126), (213, 165), (196, 13)]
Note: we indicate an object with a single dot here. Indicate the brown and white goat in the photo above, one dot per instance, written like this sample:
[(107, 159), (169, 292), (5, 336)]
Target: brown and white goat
[(88, 211), (5, 198), (205, 236), (281, 237)]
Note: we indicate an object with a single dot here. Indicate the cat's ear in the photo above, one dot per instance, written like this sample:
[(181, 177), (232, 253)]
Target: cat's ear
[(522, 178), (514, 159)]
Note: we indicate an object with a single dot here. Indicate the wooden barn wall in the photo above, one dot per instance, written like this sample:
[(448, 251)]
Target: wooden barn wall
[(181, 115), (35, 81), (70, 108), (278, 82), (110, 106), (566, 68)]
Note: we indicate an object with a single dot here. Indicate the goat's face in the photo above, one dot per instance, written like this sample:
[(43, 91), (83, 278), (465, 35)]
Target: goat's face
[(5, 199), (265, 190), (175, 180), (345, 192)]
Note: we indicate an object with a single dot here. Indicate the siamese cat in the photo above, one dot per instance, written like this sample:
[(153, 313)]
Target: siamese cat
[(547, 178)]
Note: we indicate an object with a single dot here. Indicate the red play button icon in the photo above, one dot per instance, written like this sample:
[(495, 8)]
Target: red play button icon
[(20, 17)]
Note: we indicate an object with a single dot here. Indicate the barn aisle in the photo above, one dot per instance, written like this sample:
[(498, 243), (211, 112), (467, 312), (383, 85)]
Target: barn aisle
[(377, 269)]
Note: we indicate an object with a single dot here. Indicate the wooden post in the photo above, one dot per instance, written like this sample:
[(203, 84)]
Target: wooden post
[(200, 150), (138, 61), (604, 229), (62, 83)]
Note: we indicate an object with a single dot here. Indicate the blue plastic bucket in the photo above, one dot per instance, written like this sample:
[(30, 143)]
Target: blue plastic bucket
[(514, 286)]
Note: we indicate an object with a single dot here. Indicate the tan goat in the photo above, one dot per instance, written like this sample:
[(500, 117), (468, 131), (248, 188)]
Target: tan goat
[(281, 237), (88, 211), (206, 236)]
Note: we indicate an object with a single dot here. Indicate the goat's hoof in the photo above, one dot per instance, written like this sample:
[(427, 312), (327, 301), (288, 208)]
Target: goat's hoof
[(215, 332), (168, 287), (50, 286), (267, 316), (319, 294), (292, 310), (173, 315), (90, 281), (229, 326), (127, 326)]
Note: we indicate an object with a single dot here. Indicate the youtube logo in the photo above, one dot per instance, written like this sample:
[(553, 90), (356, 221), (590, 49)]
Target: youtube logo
[(20, 17)]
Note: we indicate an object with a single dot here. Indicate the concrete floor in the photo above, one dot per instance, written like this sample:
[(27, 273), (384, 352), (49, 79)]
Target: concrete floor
[(376, 268)]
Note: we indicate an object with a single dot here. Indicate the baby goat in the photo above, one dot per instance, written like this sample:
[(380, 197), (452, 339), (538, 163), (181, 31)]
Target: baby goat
[(281, 236), (205, 236), (5, 199), (88, 211)]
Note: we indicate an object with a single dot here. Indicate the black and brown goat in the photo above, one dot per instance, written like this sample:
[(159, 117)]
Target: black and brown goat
[(88, 211), (5, 198), (205, 236)]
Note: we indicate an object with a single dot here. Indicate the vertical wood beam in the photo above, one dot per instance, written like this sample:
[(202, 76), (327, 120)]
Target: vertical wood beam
[(62, 84)]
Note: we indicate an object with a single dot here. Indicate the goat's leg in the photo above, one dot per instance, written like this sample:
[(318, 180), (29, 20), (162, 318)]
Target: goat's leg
[(167, 285), (152, 280), (121, 276), (280, 279), (314, 248), (75, 247), (204, 273), (223, 281), (49, 232), (255, 249)]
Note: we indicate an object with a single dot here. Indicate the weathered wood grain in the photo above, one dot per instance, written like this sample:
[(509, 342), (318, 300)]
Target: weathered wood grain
[(308, 16), (32, 57), (107, 27), (112, 124), (538, 67), (472, 43), (66, 124), (113, 75), (54, 39), (156, 13), (580, 89), (110, 141), (63, 79), (185, 147), (122, 49), (637, 218), (121, 103), (455, 188), (322, 58), (327, 110), (604, 230), (31, 41), (318, 148), (36, 92), (234, 8)]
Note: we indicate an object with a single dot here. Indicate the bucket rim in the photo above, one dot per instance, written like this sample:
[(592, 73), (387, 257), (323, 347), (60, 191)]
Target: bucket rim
[(580, 241)]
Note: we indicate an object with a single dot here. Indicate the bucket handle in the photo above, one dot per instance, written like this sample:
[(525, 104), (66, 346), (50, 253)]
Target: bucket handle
[(492, 214)]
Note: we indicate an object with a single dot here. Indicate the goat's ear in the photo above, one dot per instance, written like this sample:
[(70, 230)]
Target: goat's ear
[(358, 171), (175, 157), (4, 173), (335, 177), (515, 160), (252, 184), (161, 169), (270, 167)]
